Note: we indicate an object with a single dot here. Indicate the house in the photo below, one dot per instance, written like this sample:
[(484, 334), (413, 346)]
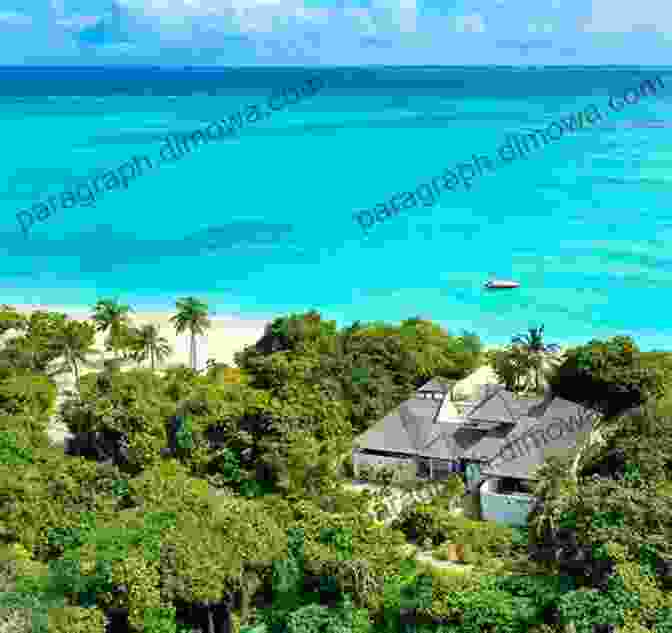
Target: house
[(494, 442)]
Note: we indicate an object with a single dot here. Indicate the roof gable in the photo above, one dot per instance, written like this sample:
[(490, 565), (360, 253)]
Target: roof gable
[(435, 385), (405, 429), (502, 407)]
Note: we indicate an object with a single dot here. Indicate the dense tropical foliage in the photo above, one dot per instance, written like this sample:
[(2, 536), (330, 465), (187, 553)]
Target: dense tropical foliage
[(191, 497), (610, 376)]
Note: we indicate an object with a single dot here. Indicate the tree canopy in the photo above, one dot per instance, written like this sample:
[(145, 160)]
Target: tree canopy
[(607, 375), (232, 490)]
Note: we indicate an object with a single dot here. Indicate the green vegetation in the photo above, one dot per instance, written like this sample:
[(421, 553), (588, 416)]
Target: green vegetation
[(192, 316), (229, 489), (608, 376), (109, 316), (520, 365)]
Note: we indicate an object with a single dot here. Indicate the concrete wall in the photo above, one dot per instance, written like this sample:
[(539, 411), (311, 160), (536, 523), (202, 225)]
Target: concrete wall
[(509, 509)]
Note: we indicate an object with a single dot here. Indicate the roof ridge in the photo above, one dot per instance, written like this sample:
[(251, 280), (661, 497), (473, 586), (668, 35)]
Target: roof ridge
[(405, 416), (483, 401), (501, 392)]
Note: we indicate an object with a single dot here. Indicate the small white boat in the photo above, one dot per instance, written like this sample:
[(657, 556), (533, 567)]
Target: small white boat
[(501, 283)]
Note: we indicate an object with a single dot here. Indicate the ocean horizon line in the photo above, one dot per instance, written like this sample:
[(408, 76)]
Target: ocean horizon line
[(247, 67)]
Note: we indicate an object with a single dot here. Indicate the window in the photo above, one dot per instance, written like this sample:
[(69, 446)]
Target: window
[(423, 467), (511, 486)]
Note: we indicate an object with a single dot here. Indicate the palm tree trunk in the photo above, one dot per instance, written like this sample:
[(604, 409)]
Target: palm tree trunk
[(593, 438), (151, 358), (75, 370), (113, 340), (193, 350)]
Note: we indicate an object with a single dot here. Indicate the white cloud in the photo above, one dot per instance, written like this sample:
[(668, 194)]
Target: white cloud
[(15, 18), (81, 21), (537, 27), (472, 23), (282, 18), (624, 17), (394, 16), (408, 12), (365, 22)]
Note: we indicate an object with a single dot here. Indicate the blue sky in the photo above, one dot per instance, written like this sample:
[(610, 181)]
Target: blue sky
[(335, 32)]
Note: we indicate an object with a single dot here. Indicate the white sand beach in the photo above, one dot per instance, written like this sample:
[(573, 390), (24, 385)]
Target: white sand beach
[(226, 335)]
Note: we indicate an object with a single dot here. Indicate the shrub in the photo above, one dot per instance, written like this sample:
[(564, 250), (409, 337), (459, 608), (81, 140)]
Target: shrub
[(520, 540), (404, 475), (129, 403), (420, 522), (451, 494), (348, 467), (469, 603), (51, 493), (30, 394), (482, 540), (12, 452), (76, 620)]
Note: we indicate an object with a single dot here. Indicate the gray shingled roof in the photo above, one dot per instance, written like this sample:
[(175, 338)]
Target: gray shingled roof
[(489, 444), (398, 431), (450, 441), (527, 453), (502, 406), (417, 418), (410, 429)]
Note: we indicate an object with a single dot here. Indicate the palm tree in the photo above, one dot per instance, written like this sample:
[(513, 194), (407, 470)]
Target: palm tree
[(532, 344), (149, 343), (511, 366), (75, 343), (126, 342), (192, 315), (109, 314)]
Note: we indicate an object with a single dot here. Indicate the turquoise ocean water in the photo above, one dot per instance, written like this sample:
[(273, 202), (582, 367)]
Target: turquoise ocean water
[(262, 224)]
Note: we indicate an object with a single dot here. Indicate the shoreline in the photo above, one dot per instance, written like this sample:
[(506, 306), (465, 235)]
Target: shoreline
[(228, 333)]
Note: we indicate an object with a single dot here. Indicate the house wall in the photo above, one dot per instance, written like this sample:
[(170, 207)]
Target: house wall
[(507, 509), (359, 459)]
